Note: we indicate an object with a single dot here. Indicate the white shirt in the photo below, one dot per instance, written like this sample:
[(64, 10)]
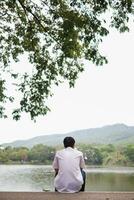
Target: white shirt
[(69, 178)]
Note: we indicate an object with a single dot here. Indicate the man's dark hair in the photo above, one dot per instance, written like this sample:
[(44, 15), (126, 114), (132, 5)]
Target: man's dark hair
[(68, 142)]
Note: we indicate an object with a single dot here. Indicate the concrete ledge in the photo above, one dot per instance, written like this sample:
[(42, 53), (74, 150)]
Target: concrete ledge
[(59, 196)]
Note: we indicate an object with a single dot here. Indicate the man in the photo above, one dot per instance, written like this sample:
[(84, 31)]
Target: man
[(68, 164)]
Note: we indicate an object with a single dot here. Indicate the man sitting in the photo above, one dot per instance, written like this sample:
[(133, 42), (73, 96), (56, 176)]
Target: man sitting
[(68, 164)]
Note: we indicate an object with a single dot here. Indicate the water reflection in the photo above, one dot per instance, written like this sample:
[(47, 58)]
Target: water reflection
[(110, 182), (25, 178), (37, 178)]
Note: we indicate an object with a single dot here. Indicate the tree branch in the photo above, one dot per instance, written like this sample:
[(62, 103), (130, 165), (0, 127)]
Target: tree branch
[(26, 9)]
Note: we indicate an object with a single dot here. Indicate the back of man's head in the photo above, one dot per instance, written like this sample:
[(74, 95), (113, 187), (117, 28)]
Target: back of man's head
[(69, 142)]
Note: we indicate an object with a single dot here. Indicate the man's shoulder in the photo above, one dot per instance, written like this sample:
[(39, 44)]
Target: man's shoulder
[(60, 152), (73, 151), (78, 152)]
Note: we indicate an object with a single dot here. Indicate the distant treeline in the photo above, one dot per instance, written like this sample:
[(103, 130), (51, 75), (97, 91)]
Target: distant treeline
[(93, 154)]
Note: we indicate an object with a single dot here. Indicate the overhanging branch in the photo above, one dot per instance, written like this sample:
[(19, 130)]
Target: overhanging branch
[(27, 9)]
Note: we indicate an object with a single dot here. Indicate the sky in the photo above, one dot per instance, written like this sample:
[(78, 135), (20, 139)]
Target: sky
[(103, 95)]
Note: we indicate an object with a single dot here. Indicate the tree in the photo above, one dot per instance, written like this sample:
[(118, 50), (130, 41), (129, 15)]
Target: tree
[(92, 154), (3, 157), (129, 152), (17, 154), (41, 154), (55, 35)]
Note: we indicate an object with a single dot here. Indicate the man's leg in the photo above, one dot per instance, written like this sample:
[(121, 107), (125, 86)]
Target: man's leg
[(56, 172), (84, 180)]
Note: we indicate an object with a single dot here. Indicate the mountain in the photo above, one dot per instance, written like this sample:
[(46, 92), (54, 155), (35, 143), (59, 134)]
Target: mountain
[(111, 134)]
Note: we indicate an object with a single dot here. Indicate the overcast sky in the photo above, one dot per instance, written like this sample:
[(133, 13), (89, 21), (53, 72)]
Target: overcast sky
[(102, 96)]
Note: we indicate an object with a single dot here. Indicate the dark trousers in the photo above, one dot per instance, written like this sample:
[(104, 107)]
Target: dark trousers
[(84, 180)]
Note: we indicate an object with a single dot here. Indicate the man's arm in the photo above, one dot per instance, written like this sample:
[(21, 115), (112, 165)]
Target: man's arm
[(56, 172), (56, 165), (82, 162)]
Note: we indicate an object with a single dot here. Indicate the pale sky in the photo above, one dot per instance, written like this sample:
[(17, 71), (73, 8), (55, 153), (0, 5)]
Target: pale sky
[(102, 96)]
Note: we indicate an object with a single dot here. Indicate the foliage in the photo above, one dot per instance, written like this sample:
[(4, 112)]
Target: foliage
[(41, 154), (38, 154), (129, 152), (106, 155), (56, 35), (92, 155), (116, 158)]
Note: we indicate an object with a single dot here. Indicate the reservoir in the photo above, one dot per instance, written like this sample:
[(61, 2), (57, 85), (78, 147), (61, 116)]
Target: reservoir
[(39, 177)]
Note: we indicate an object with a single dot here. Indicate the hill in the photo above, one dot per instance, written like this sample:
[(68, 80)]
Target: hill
[(111, 134)]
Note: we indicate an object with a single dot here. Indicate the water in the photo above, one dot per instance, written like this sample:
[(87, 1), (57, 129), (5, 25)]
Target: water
[(110, 179), (37, 178), (25, 177)]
